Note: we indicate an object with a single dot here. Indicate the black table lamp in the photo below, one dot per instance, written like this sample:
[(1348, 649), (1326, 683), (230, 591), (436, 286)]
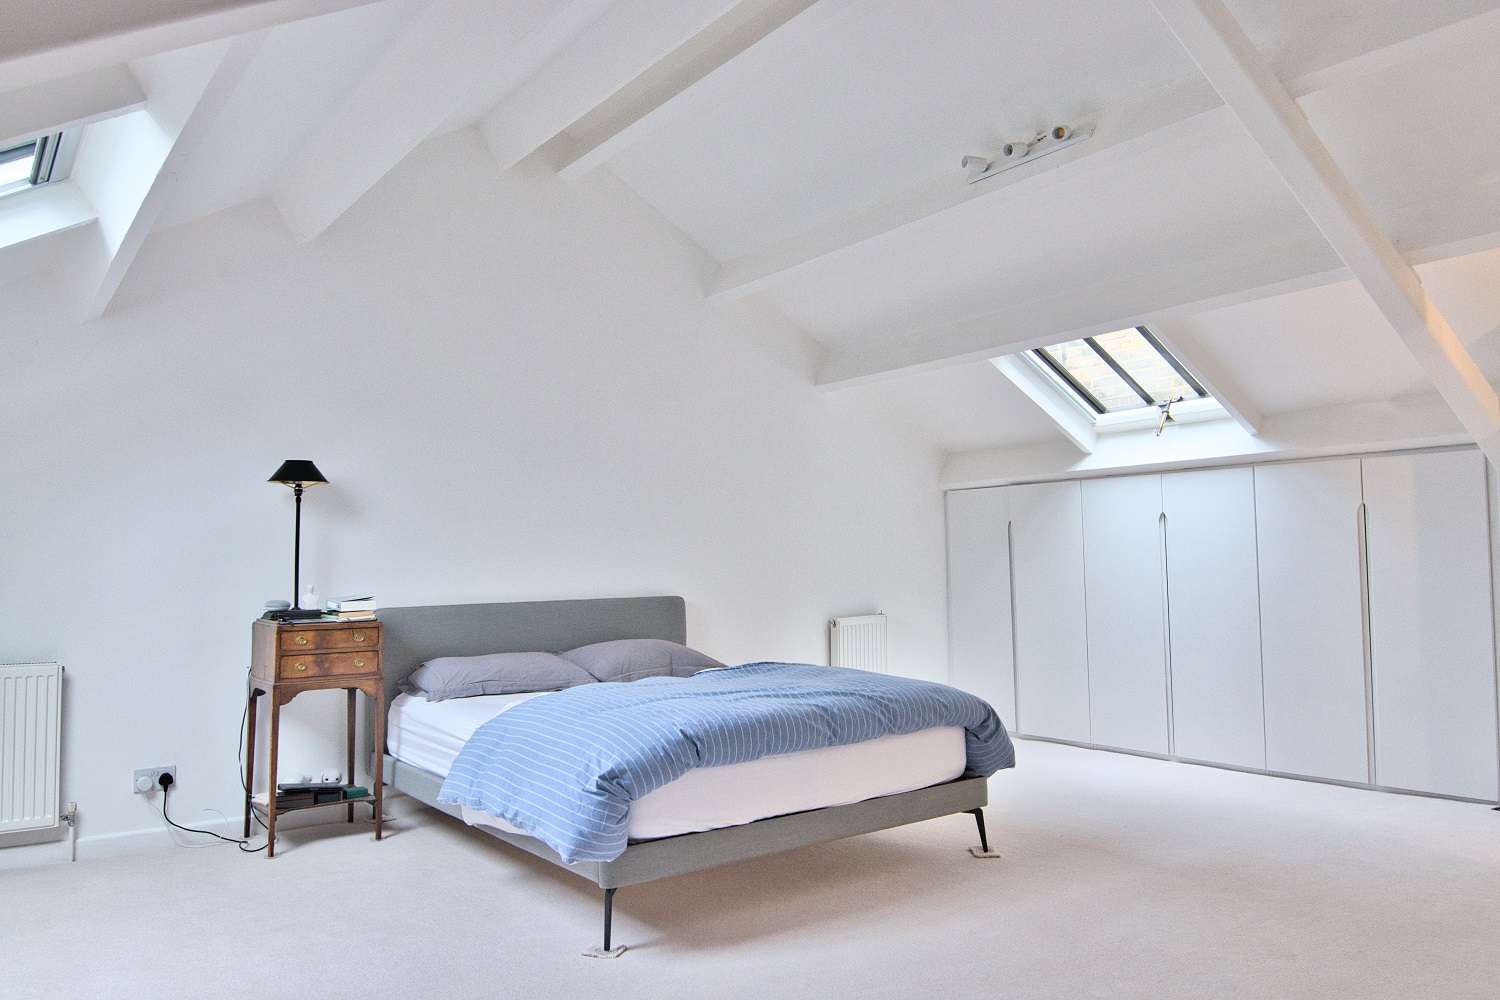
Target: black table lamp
[(298, 473)]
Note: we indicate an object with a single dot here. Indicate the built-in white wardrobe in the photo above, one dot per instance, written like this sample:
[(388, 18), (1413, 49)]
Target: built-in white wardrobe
[(1331, 619)]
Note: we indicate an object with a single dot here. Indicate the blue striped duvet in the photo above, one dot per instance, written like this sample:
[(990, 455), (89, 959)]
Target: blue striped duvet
[(566, 767)]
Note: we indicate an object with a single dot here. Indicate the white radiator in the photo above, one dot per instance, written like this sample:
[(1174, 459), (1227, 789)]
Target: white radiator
[(858, 641), (30, 751)]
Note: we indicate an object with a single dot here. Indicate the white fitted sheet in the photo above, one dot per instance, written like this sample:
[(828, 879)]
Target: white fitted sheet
[(429, 735)]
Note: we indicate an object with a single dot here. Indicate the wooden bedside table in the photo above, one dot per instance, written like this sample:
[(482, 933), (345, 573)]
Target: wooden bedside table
[(288, 658)]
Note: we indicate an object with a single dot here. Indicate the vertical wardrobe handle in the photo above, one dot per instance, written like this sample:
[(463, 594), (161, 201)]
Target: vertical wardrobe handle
[(1362, 541), (1166, 632), (1015, 665)]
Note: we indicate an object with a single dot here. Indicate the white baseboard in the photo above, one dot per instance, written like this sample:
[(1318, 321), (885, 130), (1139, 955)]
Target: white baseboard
[(160, 837)]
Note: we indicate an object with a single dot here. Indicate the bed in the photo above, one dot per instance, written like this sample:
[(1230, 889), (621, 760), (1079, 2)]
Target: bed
[(690, 824)]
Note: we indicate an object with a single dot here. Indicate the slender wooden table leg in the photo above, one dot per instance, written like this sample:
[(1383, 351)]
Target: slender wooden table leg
[(349, 747), (252, 697), (378, 707), (271, 794)]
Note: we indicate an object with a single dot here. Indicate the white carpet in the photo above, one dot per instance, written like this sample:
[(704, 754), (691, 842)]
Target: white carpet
[(1122, 877)]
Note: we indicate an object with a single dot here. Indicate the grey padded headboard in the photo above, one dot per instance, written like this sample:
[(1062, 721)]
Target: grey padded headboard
[(414, 635)]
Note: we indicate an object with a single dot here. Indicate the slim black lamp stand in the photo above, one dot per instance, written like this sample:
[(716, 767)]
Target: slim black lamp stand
[(298, 473)]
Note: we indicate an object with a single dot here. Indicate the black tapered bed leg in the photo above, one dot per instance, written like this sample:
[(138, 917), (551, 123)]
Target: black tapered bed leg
[(609, 913), (984, 839)]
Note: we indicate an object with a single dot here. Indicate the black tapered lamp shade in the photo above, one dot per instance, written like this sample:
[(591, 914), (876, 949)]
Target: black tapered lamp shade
[(297, 473)]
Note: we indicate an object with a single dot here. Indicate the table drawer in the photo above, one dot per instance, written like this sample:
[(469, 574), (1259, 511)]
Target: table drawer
[(315, 639), (292, 668)]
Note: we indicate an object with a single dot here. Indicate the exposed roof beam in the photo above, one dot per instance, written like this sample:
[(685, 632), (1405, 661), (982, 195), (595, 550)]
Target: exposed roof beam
[(1124, 133), (1272, 118), (1407, 50), (1137, 298), (731, 54), (1221, 385), (451, 50), (1152, 299), (46, 40), (129, 166), (69, 102), (630, 38)]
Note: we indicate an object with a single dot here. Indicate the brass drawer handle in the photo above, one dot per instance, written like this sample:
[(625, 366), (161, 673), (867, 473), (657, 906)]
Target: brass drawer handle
[(359, 663), (302, 640), (359, 637), (301, 666)]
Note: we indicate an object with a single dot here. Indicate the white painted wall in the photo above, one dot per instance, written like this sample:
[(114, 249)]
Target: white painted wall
[(517, 390)]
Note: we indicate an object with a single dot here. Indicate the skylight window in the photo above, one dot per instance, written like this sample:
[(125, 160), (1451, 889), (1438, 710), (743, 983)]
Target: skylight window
[(31, 164), (1119, 372)]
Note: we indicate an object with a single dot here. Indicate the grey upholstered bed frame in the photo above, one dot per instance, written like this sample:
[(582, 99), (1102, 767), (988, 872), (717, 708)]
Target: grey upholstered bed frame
[(413, 635)]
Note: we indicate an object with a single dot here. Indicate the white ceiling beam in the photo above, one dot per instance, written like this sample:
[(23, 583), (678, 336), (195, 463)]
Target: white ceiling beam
[(892, 353), (48, 40), (1213, 376), (1137, 298), (1270, 114), (69, 102), (1075, 426), (129, 166), (733, 54), (630, 38), (1425, 45), (450, 51), (1123, 134)]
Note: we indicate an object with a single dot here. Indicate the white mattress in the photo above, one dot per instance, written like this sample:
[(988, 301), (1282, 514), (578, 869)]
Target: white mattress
[(429, 735)]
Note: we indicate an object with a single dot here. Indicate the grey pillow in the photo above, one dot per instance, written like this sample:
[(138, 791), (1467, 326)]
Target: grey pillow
[(495, 673), (632, 659)]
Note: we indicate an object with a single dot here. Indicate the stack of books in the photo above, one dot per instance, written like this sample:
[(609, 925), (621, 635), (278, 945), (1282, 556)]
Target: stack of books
[(354, 608)]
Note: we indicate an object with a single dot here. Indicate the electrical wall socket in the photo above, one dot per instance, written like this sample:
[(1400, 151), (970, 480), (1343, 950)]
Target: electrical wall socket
[(145, 778)]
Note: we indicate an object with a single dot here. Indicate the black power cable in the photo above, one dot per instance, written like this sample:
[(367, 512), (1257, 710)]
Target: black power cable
[(165, 780)]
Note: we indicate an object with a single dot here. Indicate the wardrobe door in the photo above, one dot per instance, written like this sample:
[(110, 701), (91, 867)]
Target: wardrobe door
[(979, 642), (1127, 641), (1431, 625), (1214, 617), (1312, 618), (1052, 677)]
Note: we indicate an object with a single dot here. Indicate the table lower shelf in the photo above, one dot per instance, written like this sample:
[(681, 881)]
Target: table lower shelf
[(260, 804)]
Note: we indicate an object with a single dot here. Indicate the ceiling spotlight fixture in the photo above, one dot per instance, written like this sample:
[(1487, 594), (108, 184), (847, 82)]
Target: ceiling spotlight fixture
[(975, 165), (1012, 153)]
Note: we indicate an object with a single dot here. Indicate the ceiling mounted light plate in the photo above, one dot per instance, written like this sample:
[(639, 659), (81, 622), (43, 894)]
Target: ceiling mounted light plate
[(1019, 151)]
